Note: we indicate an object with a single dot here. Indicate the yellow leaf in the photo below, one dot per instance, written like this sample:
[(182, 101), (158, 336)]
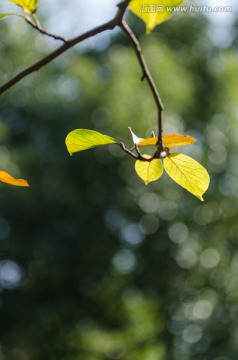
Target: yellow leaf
[(7, 178), (169, 140), (28, 6), (149, 170), (173, 140), (188, 173), (153, 12)]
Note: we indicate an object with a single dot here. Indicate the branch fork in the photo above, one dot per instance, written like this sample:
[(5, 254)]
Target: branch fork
[(67, 44)]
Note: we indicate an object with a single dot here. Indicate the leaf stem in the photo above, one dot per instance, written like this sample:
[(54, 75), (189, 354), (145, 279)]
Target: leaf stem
[(36, 20), (146, 75)]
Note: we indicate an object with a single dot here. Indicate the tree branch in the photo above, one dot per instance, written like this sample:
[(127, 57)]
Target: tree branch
[(110, 25), (37, 27), (146, 75), (136, 156), (129, 152)]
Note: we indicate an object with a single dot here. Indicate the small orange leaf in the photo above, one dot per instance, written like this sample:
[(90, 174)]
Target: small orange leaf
[(148, 141), (173, 140), (7, 178), (169, 140)]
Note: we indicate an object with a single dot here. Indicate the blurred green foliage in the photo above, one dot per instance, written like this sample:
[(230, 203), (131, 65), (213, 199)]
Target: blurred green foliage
[(94, 264)]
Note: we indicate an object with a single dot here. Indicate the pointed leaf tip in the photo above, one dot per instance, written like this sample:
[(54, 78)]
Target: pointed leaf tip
[(153, 12), (83, 139), (8, 179), (135, 138), (188, 173), (173, 140)]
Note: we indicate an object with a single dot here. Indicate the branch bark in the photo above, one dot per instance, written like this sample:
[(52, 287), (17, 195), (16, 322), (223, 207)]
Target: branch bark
[(110, 25), (146, 75), (37, 27)]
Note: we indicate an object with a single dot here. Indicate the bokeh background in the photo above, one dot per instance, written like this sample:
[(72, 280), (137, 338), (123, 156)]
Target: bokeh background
[(94, 265)]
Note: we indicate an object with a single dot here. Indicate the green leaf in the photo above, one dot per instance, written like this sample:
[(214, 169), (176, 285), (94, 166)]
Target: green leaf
[(153, 12), (149, 170), (29, 6), (188, 173), (83, 139)]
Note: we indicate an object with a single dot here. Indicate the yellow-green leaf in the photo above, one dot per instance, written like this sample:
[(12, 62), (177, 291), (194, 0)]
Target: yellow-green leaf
[(83, 139), (149, 170), (153, 12), (169, 140), (29, 6), (2, 16), (7, 178), (188, 173)]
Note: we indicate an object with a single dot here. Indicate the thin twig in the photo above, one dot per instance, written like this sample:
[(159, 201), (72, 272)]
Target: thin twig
[(136, 156), (37, 26), (146, 75), (110, 25), (129, 152)]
